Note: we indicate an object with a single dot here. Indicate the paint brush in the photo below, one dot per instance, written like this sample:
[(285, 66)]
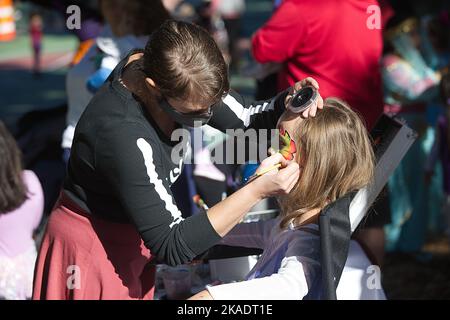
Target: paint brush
[(262, 172)]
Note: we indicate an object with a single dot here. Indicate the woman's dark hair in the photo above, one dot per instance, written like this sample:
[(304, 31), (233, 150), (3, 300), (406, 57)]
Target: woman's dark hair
[(13, 191), (185, 63)]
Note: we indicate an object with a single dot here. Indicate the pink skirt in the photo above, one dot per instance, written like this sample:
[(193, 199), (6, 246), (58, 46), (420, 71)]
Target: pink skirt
[(82, 257)]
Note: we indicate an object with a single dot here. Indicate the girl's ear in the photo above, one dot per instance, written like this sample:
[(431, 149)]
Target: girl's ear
[(149, 82), (151, 85)]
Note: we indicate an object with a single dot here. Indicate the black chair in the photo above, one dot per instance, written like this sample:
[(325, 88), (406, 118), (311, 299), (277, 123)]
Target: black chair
[(335, 234), (392, 139)]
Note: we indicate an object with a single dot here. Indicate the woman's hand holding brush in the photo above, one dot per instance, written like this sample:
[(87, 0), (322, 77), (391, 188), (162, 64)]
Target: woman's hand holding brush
[(287, 150), (276, 176)]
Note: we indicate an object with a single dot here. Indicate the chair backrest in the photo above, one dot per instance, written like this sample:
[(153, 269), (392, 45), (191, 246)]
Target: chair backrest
[(335, 234), (392, 139)]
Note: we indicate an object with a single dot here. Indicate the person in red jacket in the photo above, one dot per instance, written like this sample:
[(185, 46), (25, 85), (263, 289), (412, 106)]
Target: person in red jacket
[(332, 41)]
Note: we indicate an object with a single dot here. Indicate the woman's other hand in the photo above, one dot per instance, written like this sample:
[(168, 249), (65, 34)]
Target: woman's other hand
[(310, 112)]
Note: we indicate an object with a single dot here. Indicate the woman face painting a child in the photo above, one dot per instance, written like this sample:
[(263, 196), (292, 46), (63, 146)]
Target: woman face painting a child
[(335, 157), (116, 206)]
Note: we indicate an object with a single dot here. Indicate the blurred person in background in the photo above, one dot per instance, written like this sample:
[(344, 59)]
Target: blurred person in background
[(410, 84), (36, 33), (231, 12), (441, 151), (435, 48), (127, 26), (21, 209)]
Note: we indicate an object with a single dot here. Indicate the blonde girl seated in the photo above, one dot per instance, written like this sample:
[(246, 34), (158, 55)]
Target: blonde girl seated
[(335, 157)]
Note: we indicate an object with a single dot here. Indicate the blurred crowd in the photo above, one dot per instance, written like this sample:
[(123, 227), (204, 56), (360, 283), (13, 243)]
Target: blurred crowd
[(400, 69)]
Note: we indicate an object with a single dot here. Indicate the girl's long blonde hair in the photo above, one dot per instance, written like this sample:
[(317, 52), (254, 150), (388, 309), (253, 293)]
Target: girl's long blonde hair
[(335, 156)]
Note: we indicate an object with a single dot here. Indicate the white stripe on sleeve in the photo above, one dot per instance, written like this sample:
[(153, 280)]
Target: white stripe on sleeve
[(243, 113), (147, 153)]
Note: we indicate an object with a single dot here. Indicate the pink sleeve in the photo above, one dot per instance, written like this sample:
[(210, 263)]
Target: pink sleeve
[(36, 195), (280, 37)]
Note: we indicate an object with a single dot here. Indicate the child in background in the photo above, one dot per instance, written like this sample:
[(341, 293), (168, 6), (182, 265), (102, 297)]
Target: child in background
[(21, 208), (335, 157), (36, 27)]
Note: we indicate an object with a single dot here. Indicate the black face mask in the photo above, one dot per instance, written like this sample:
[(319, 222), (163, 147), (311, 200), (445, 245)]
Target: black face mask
[(187, 119)]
